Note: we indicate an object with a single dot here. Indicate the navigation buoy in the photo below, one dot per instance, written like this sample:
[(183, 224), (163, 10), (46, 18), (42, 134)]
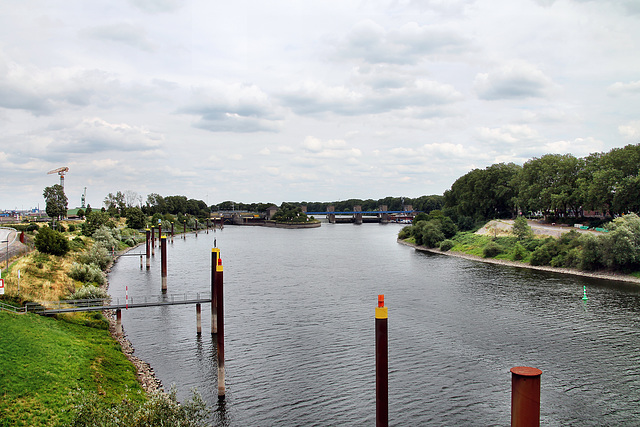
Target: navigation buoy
[(584, 293)]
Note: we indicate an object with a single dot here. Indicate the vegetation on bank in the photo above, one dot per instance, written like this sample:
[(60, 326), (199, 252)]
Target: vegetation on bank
[(562, 188), (617, 250), (68, 370)]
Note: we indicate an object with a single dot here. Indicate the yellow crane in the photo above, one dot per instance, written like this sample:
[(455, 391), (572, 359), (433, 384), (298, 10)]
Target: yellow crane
[(60, 171)]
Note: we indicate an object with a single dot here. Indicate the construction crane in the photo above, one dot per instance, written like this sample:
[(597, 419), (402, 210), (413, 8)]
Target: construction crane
[(60, 171), (84, 196)]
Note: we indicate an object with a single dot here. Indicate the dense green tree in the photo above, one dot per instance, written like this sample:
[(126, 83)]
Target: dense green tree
[(56, 201), (52, 242), (290, 213), (522, 229), (136, 219), (93, 221)]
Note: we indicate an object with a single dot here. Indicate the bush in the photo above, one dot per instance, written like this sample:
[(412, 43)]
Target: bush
[(107, 237), (541, 256), (491, 249), (72, 228), (98, 255), (159, 409), (77, 244), (405, 233), (89, 292), (95, 220), (87, 273), (52, 242), (519, 252), (446, 245)]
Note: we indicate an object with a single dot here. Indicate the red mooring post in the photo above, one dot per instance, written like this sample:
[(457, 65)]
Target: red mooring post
[(118, 322), (198, 318), (171, 231), (148, 254), (382, 365), (163, 259), (153, 241), (215, 254), (219, 302), (185, 229), (525, 396)]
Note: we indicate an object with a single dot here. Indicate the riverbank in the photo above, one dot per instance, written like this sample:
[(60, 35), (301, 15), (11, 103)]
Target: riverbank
[(144, 372), (598, 275)]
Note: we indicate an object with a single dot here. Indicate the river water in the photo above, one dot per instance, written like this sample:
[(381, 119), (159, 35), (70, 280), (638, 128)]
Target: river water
[(299, 331)]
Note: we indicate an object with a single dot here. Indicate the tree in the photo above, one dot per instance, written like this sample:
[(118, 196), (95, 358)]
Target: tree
[(56, 201), (521, 228), (93, 221), (52, 242), (136, 218)]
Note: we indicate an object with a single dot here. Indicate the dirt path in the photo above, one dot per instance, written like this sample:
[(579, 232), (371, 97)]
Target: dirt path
[(502, 227)]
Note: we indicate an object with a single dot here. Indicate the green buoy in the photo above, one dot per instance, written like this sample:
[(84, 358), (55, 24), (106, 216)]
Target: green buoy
[(584, 293)]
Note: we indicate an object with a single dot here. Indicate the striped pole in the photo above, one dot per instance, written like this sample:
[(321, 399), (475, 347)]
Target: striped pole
[(382, 365)]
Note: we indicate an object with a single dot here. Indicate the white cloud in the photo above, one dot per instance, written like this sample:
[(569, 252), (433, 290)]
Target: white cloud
[(620, 88), (122, 33), (630, 131)]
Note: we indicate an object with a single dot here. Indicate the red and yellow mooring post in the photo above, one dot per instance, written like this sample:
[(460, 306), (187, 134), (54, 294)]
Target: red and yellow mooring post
[(382, 365), (148, 254), (163, 262), (153, 241), (217, 311), (525, 396)]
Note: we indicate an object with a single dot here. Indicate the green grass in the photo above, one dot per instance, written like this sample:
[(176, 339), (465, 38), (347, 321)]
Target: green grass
[(43, 360)]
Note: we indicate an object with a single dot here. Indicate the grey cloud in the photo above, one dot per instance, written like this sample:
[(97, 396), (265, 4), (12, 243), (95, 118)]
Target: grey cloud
[(514, 81), (157, 6), (233, 108), (123, 32), (408, 44)]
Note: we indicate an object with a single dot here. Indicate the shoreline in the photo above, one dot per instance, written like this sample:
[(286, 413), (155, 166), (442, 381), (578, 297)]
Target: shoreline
[(144, 372), (617, 277)]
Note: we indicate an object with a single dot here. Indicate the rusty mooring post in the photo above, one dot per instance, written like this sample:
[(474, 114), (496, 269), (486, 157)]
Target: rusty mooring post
[(171, 231), (215, 254), (198, 318), (382, 365), (148, 254), (525, 396), (118, 322), (163, 261), (218, 284), (196, 228), (153, 241)]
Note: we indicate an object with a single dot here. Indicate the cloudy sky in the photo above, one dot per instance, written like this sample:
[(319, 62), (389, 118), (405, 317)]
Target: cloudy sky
[(289, 100)]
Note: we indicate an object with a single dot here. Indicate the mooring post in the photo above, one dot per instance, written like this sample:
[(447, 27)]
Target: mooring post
[(525, 396), (140, 261), (118, 322), (220, 335), (198, 318), (163, 259), (185, 229), (207, 225), (196, 228), (148, 254), (159, 230), (171, 231), (215, 254), (153, 241), (382, 365)]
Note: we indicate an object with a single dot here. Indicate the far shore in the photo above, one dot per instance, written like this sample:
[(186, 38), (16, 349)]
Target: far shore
[(597, 275)]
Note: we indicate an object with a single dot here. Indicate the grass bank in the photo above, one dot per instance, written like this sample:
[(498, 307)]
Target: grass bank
[(43, 361)]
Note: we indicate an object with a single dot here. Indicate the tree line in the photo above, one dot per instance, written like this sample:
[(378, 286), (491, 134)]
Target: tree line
[(555, 185)]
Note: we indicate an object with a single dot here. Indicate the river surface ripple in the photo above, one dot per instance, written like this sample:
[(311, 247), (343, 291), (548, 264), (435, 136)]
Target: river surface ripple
[(299, 331)]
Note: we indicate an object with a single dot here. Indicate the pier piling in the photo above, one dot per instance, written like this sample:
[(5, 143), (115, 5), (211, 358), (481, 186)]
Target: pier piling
[(217, 290), (382, 365), (148, 235), (118, 322), (525, 396), (153, 241), (198, 319), (163, 257)]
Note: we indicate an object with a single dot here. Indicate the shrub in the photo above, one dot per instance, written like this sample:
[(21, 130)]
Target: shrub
[(519, 252), (72, 228), (77, 244), (52, 242), (107, 237), (98, 255), (541, 256), (446, 245), (431, 233), (521, 228), (589, 258), (405, 233), (87, 273), (95, 220), (491, 249), (89, 292)]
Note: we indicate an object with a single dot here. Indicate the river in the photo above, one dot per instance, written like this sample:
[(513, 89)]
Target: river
[(299, 331)]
